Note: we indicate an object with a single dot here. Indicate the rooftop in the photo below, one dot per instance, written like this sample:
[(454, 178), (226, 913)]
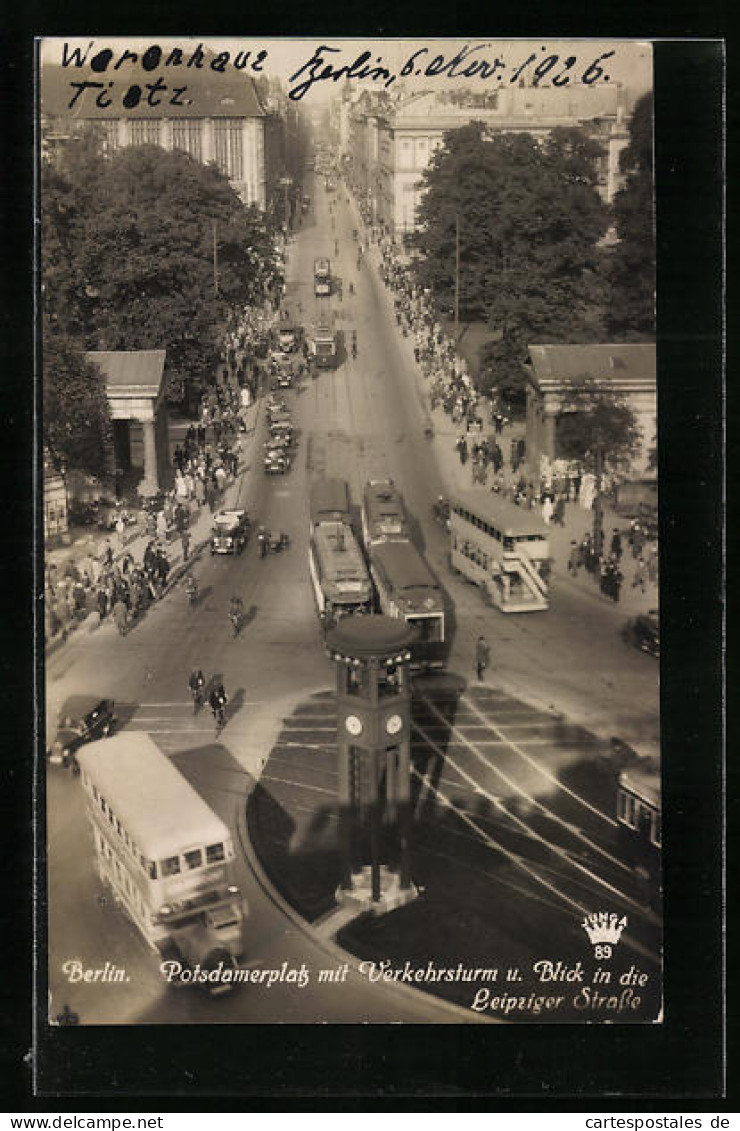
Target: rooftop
[(132, 372), (209, 94), (369, 635), (618, 363)]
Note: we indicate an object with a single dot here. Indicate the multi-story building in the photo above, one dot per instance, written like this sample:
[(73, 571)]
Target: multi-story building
[(224, 122), (391, 142)]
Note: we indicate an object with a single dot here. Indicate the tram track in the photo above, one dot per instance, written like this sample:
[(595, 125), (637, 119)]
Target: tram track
[(515, 787)]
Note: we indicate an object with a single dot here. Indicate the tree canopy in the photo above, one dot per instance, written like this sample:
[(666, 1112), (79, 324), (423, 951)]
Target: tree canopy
[(632, 268), (529, 218), (77, 430), (127, 254), (596, 416)]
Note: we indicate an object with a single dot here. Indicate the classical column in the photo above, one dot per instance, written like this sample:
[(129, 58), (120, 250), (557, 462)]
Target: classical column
[(150, 482), (549, 421)]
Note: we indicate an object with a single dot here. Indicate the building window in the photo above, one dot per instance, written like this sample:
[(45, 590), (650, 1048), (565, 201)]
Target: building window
[(145, 131), (229, 147), (109, 130), (186, 135)]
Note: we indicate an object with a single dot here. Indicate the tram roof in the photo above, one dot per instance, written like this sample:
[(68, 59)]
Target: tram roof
[(510, 518), (329, 499), (157, 806), (404, 565), (340, 554)]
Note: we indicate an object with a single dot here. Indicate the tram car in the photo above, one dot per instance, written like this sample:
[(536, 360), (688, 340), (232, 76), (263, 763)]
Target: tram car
[(639, 818), (407, 590), (330, 502), (383, 513), (339, 576)]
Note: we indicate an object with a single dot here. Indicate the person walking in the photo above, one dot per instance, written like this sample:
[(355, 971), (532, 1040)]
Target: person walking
[(185, 543), (575, 558), (482, 656), (120, 615), (640, 578)]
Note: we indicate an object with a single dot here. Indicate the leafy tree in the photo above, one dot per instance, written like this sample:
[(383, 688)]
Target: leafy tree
[(77, 431), (529, 218), (632, 269), (596, 417), (127, 256)]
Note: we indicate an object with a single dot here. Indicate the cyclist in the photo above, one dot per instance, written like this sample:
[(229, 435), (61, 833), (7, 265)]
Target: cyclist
[(236, 612), (196, 683), (217, 701)]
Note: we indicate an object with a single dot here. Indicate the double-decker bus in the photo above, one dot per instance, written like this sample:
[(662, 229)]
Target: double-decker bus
[(321, 277), (330, 502), (340, 579), (383, 513), (639, 818), (407, 590), (165, 854), (502, 548)]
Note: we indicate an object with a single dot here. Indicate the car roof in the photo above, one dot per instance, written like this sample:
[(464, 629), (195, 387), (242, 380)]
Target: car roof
[(79, 705)]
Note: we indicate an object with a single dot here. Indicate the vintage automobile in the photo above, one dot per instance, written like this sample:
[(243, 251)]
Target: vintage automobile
[(276, 405), (288, 337), (643, 632), (230, 532), (83, 718), (284, 379), (280, 422), (276, 461)]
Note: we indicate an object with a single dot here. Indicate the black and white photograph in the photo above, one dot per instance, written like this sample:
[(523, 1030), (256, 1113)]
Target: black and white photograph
[(351, 589)]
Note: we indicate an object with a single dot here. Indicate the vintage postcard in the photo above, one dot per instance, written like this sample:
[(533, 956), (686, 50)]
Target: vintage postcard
[(350, 510)]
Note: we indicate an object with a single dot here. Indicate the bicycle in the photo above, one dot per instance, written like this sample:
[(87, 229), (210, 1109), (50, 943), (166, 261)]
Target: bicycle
[(197, 687), (218, 707), (236, 612)]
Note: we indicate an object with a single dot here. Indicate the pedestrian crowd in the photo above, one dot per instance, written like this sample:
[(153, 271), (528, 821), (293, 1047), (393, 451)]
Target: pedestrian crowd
[(111, 582)]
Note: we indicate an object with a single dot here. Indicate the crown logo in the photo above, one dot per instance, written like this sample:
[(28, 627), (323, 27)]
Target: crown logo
[(604, 927)]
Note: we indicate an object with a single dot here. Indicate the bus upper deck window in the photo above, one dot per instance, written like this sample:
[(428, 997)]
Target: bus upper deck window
[(171, 866), (194, 859), (214, 853), (508, 543)]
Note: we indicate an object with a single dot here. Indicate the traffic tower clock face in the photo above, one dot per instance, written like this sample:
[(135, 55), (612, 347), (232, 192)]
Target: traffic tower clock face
[(353, 724), (393, 724)]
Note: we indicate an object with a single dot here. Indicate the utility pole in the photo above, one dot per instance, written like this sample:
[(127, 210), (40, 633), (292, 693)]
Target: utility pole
[(215, 260), (457, 273)]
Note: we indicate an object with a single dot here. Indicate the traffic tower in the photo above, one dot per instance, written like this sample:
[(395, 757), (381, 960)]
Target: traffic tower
[(372, 658)]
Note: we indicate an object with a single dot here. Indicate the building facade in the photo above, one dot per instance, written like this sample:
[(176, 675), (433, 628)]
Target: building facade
[(224, 123), (391, 144), (627, 370)]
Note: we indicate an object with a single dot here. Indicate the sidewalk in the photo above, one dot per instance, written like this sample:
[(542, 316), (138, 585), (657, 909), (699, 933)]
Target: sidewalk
[(457, 478), (136, 540)]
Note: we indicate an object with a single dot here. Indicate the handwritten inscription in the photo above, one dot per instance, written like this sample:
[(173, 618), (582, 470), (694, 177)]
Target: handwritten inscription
[(467, 62), (104, 81)]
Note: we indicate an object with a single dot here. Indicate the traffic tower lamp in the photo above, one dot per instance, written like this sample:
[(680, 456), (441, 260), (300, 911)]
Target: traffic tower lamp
[(372, 659)]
